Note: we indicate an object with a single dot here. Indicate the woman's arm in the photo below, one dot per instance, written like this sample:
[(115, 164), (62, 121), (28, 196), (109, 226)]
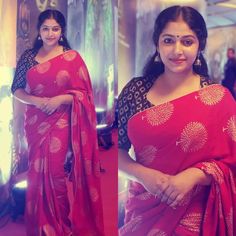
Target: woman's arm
[(199, 176), (26, 98), (47, 105), (153, 181)]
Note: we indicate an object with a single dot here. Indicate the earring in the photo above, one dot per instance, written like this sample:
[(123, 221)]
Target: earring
[(61, 39), (197, 61), (157, 57), (39, 37)]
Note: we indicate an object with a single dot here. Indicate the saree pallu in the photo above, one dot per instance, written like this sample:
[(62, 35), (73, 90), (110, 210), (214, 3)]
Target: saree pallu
[(196, 130), (50, 210)]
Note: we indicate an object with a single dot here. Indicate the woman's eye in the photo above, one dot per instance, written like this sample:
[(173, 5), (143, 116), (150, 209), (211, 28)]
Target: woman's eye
[(187, 42), (168, 41), (44, 29), (56, 29)]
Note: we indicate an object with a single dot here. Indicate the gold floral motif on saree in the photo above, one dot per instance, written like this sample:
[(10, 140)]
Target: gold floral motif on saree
[(192, 222), (44, 67), (62, 123), (69, 55), (62, 78), (214, 170), (147, 155), (43, 127), (193, 137), (160, 114), (38, 89), (211, 95), (55, 145), (231, 128)]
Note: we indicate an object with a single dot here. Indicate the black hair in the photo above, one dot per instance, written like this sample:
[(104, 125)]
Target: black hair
[(60, 19), (195, 22)]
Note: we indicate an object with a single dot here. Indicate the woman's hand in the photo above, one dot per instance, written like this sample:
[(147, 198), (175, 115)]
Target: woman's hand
[(40, 102), (154, 181), (52, 104), (181, 184)]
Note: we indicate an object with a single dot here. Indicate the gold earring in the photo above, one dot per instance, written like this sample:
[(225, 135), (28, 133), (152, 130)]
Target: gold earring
[(157, 57), (198, 61)]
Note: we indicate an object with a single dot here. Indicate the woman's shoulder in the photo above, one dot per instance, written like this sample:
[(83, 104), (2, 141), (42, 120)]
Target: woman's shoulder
[(72, 54), (71, 51), (137, 83), (206, 81), (28, 53), (218, 92)]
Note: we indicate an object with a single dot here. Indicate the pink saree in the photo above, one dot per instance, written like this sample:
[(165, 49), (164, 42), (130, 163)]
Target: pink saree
[(50, 210), (196, 130)]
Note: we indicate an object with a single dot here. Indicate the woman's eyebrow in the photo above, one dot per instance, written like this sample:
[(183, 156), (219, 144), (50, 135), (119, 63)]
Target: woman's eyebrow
[(179, 36)]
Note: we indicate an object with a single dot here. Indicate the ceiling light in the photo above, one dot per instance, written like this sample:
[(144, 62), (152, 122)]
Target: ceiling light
[(230, 5)]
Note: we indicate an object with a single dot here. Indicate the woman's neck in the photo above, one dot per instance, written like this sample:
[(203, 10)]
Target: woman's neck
[(47, 49), (175, 80)]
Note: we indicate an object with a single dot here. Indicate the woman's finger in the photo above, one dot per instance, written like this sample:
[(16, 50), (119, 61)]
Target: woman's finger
[(177, 200), (166, 194), (171, 198)]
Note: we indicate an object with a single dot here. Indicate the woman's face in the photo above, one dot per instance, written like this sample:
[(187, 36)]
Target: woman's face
[(50, 32), (178, 47)]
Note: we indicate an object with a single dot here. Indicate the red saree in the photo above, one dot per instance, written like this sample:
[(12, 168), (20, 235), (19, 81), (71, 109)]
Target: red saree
[(196, 130), (49, 209)]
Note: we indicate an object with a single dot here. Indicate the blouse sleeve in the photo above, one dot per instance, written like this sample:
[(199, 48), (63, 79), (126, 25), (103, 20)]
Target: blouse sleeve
[(124, 114), (22, 67)]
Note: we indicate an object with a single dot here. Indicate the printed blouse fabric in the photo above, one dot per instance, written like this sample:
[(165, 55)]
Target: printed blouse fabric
[(25, 62), (132, 100)]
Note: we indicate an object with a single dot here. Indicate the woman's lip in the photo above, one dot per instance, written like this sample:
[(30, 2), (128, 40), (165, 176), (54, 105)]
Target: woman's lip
[(177, 61)]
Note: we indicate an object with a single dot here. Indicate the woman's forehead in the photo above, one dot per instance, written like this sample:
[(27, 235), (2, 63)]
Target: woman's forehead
[(179, 28), (50, 22)]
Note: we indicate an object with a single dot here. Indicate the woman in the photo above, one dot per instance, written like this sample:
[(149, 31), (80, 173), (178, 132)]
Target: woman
[(60, 121), (182, 129)]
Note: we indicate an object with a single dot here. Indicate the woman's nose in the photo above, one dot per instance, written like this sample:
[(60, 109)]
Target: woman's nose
[(50, 32), (178, 49)]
